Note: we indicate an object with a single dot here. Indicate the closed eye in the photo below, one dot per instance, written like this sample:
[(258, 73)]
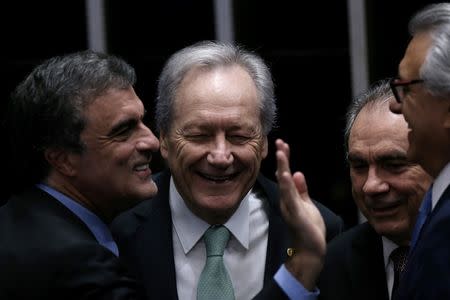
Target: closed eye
[(238, 139), (395, 166), (197, 137), (356, 162)]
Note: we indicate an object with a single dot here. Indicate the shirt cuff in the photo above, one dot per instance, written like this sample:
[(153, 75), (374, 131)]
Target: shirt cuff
[(292, 287)]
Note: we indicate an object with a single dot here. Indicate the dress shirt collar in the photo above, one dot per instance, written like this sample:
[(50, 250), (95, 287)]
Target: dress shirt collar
[(388, 247), (440, 184), (98, 228), (190, 228)]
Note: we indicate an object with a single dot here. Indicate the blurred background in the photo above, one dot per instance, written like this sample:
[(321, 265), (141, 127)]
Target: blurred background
[(321, 53)]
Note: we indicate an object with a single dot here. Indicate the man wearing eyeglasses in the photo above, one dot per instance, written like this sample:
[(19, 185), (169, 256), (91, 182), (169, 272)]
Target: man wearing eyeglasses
[(422, 95)]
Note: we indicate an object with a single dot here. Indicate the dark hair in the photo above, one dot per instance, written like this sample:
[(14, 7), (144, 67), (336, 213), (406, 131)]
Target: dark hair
[(47, 108)]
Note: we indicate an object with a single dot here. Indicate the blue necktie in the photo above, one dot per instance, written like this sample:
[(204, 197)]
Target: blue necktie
[(424, 211), (214, 282)]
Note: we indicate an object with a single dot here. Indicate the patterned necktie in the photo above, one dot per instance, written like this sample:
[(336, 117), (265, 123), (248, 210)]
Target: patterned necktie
[(214, 282), (399, 258), (424, 211)]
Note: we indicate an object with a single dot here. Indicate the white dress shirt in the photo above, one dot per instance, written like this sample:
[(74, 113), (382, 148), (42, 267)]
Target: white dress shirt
[(441, 183), (244, 256), (388, 247)]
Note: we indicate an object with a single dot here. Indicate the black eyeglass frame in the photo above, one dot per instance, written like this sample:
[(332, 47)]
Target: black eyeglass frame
[(395, 82)]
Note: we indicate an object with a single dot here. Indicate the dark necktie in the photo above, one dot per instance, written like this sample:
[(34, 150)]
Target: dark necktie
[(214, 281), (424, 211), (399, 258)]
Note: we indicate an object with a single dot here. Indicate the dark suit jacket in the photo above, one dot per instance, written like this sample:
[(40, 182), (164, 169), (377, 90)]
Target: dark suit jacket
[(354, 267), (144, 237), (427, 274), (46, 252)]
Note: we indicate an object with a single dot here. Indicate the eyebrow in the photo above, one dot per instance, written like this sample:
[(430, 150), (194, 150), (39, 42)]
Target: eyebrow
[(130, 122), (210, 125), (382, 158)]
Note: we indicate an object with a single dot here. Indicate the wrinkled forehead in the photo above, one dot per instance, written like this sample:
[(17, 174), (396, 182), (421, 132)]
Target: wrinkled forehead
[(376, 127)]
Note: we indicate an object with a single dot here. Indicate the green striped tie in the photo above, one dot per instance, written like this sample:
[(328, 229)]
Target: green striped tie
[(214, 282)]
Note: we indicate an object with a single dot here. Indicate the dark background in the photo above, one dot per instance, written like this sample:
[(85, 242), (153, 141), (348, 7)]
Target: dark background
[(305, 43)]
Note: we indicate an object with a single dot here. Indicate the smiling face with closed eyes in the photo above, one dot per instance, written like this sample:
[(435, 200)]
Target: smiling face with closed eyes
[(215, 143)]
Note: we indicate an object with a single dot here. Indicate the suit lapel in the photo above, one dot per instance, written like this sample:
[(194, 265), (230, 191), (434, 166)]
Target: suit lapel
[(366, 266), (439, 212), (434, 234), (278, 237), (428, 225), (155, 245)]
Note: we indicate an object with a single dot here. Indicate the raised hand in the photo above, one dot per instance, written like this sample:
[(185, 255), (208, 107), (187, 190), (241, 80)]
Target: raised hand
[(303, 218)]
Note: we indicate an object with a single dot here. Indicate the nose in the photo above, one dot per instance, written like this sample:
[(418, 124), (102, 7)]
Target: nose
[(220, 155), (395, 106), (147, 141), (375, 184)]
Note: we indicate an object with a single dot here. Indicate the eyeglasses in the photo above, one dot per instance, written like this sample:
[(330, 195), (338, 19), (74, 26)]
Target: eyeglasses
[(399, 87)]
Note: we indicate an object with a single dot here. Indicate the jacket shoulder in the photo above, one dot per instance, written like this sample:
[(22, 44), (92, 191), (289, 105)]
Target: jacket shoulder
[(126, 223)]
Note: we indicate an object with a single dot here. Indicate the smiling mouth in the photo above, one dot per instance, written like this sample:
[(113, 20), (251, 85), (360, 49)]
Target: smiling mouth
[(387, 209), (143, 171), (142, 167), (217, 179)]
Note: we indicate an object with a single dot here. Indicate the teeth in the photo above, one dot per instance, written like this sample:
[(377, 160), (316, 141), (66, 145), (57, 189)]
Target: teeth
[(142, 167)]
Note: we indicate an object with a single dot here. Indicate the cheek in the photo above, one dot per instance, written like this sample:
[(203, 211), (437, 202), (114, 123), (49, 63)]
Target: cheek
[(408, 188), (173, 148), (357, 191), (358, 182), (181, 155), (414, 202), (249, 156), (255, 151), (358, 197), (120, 154), (187, 152), (414, 183)]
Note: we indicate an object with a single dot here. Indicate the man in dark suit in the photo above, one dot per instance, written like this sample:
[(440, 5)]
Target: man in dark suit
[(80, 154), (215, 108), (388, 191), (422, 95)]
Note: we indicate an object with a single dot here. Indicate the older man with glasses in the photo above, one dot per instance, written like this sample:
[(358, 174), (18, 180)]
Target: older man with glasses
[(422, 95), (401, 87)]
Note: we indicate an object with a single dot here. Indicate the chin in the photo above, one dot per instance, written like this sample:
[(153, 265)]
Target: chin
[(148, 190), (392, 229), (217, 205), (221, 205)]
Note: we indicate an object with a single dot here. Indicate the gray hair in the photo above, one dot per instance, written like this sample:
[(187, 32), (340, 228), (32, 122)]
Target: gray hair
[(435, 71), (378, 94), (211, 54)]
